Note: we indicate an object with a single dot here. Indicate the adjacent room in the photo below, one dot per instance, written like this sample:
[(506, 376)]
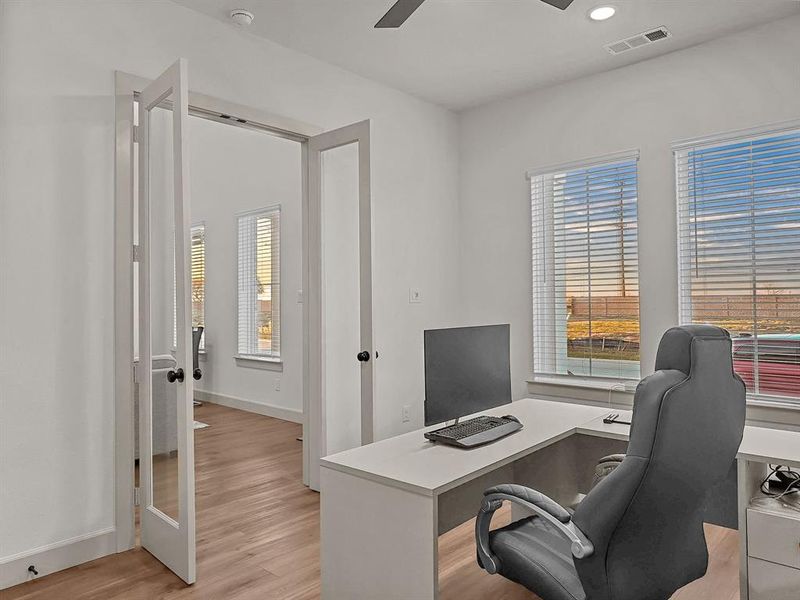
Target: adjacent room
[(401, 299)]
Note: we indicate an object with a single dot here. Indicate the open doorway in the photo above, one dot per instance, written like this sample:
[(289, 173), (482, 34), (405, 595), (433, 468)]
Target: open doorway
[(253, 277), (246, 268), (245, 215)]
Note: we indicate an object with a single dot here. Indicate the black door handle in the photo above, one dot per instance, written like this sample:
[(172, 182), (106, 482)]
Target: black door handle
[(363, 356), (197, 373), (173, 376)]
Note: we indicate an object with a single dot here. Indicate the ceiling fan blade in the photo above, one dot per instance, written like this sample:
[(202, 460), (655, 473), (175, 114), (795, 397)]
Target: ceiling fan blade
[(397, 15), (562, 4)]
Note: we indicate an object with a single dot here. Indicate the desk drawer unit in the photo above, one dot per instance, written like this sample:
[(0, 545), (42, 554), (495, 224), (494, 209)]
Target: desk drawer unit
[(774, 537), (773, 548), (769, 581)]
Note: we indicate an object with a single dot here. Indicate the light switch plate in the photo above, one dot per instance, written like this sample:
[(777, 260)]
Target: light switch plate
[(414, 295)]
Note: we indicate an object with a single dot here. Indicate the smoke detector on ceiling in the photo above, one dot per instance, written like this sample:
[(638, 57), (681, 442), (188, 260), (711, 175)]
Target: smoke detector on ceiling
[(242, 17), (638, 41)]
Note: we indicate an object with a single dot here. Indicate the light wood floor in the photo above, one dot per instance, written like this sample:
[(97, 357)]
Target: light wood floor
[(258, 534)]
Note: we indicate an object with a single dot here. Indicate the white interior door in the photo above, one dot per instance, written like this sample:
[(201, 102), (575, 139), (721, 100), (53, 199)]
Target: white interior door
[(341, 350), (166, 442)]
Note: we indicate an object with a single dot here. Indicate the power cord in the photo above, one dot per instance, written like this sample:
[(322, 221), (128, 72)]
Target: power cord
[(789, 496), (787, 476)]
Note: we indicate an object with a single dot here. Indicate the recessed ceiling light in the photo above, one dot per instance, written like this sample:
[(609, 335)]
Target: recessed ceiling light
[(601, 13), (242, 17)]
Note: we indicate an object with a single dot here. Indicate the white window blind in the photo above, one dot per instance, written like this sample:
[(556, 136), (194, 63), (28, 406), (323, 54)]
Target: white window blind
[(585, 269), (197, 270), (739, 250), (259, 284)]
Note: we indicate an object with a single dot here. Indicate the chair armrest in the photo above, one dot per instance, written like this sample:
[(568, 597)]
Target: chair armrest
[(488, 561), (536, 502), (611, 458), (538, 499), (605, 466)]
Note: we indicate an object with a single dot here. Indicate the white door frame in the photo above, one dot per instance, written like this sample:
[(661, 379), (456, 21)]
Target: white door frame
[(358, 133), (127, 88)]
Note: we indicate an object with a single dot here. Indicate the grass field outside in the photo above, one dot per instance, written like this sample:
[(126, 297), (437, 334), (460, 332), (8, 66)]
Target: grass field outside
[(606, 354), (627, 330), (618, 330)]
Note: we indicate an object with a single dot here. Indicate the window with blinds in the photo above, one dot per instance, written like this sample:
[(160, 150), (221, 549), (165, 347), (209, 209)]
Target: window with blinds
[(198, 273), (259, 284), (198, 268), (585, 269), (739, 252)]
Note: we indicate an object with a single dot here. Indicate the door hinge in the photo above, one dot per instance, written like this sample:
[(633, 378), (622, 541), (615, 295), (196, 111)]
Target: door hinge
[(137, 129), (135, 373), (137, 496), (137, 253)]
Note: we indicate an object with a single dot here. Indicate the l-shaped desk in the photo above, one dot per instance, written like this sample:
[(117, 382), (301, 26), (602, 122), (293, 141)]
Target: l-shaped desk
[(384, 505)]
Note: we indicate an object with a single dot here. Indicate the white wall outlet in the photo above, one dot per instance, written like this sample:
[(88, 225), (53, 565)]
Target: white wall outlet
[(277, 384), (406, 413), (414, 295)]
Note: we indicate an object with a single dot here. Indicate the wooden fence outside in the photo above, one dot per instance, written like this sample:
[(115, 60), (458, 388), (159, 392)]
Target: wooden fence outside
[(705, 308), (604, 307)]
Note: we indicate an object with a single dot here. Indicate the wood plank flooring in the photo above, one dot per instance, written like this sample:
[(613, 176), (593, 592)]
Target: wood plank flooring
[(258, 534)]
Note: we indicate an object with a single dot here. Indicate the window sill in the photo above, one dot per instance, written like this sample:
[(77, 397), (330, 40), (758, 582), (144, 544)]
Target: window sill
[(773, 413), (772, 402), (608, 385), (616, 394), (760, 412), (258, 362)]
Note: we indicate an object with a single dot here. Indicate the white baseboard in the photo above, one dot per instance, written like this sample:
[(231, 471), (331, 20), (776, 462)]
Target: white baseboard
[(57, 556), (268, 410)]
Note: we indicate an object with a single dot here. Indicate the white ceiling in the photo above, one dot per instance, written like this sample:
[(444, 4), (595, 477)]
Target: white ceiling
[(461, 53)]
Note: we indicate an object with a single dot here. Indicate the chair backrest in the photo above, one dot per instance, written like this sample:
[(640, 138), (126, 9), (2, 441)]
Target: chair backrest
[(197, 335), (646, 518)]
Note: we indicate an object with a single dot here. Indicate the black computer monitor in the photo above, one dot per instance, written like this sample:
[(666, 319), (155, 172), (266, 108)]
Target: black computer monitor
[(467, 370)]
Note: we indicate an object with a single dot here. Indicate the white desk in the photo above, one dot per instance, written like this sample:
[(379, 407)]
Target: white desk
[(761, 446), (380, 503)]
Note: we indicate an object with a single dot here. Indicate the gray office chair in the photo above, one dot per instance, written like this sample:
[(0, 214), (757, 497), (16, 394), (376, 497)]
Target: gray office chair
[(197, 373), (197, 336), (638, 534)]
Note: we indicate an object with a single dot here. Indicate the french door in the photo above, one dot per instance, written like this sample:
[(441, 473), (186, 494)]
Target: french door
[(166, 436), (339, 253)]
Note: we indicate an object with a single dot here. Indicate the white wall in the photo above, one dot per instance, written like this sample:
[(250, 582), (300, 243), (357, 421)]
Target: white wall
[(233, 170), (745, 80), (56, 230)]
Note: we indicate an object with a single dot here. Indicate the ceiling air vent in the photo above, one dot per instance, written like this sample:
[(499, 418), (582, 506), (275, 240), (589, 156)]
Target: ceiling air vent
[(637, 41), (657, 34)]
